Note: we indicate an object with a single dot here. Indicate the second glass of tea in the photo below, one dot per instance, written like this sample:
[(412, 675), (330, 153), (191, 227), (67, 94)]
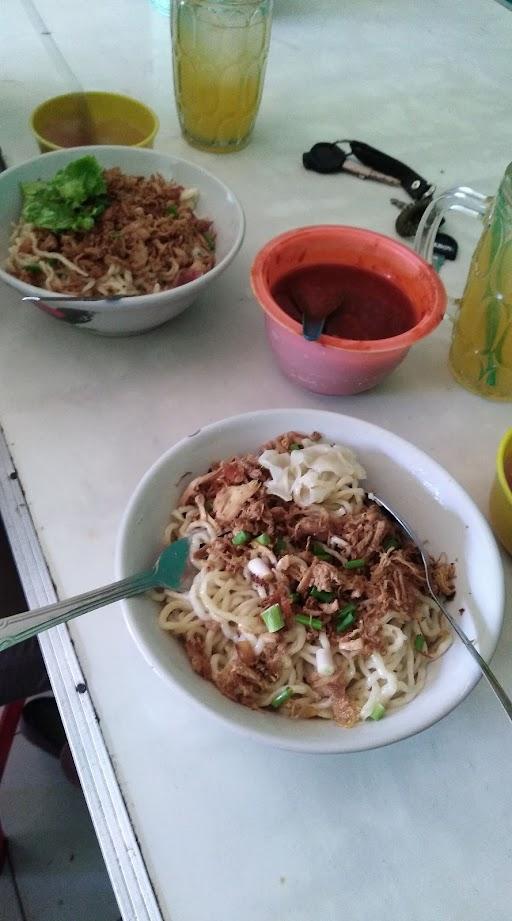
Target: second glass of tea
[(220, 52), (481, 350)]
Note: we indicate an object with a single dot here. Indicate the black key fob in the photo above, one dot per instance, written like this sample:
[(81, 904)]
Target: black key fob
[(446, 246), (324, 157)]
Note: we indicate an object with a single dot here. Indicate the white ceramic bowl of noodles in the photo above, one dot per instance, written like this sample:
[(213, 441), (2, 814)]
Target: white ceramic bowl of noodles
[(142, 312), (422, 491)]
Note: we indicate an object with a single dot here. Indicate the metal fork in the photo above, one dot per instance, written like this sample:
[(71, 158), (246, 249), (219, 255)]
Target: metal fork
[(168, 572), (489, 674)]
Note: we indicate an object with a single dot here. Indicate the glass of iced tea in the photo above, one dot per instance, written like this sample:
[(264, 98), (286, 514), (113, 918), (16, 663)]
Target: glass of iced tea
[(220, 52), (481, 350)]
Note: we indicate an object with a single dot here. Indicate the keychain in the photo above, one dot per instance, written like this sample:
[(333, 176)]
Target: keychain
[(373, 164)]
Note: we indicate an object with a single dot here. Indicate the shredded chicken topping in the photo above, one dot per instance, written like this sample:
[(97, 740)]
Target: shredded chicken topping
[(317, 564), (147, 240)]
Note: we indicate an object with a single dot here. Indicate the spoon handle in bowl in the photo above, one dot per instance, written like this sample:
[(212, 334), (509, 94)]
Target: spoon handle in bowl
[(500, 692), (21, 627)]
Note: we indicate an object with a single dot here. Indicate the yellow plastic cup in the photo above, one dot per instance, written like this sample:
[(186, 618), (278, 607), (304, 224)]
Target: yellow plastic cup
[(500, 500), (78, 119)]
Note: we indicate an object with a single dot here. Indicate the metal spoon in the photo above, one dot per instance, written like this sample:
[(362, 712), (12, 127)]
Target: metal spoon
[(71, 297), (167, 572), (489, 674), (312, 326)]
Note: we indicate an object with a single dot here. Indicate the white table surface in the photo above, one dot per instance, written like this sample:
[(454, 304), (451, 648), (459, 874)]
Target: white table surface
[(229, 830)]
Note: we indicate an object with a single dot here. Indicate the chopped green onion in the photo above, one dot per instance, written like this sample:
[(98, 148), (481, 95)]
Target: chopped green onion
[(346, 618), (32, 267), (322, 596), (309, 621), (172, 211), (241, 537), (391, 543), (280, 545), (355, 564), (349, 608), (264, 540), (419, 642), (294, 597), (273, 618), (210, 241), (295, 446), (378, 712), (320, 551), (281, 697)]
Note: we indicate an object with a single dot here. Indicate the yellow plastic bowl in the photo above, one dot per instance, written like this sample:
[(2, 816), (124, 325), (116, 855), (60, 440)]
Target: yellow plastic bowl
[(78, 119), (500, 501)]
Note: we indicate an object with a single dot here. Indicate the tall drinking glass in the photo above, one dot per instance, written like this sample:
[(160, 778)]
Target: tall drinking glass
[(220, 52), (481, 350)]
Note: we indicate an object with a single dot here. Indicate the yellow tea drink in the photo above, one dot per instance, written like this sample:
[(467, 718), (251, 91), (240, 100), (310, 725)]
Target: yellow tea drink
[(481, 350), (219, 58)]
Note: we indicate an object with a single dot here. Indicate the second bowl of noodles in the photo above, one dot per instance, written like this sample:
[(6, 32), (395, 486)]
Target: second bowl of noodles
[(101, 222)]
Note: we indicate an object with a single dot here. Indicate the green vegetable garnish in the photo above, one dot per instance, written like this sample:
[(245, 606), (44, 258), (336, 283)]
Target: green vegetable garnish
[(264, 540), (320, 551), (295, 446), (295, 597), (210, 241), (280, 545), (240, 538), (346, 617), (32, 267), (72, 200), (172, 210), (281, 697), (378, 712), (309, 621), (322, 596), (273, 618), (419, 642), (391, 543), (355, 564)]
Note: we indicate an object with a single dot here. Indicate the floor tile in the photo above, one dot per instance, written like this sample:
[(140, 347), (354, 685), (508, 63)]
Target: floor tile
[(54, 851), (9, 906)]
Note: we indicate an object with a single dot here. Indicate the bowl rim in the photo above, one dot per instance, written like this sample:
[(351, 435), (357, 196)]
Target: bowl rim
[(501, 456), (132, 302), (272, 309), (46, 142), (331, 745)]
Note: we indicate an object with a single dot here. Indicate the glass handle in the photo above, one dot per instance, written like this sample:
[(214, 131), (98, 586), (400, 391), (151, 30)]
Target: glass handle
[(461, 199)]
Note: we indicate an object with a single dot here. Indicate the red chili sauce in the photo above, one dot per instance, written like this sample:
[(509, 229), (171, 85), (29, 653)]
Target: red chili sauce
[(364, 305)]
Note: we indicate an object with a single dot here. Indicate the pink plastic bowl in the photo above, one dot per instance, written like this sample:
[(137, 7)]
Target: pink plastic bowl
[(343, 366)]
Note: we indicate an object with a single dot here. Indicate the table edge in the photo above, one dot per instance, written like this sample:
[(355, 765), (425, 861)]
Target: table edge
[(116, 836)]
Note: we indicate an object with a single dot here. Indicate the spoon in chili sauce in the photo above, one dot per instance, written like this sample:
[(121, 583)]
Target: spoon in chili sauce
[(313, 326), (346, 302)]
